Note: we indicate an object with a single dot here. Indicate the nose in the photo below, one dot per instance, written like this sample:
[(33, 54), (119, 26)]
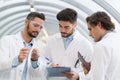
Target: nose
[(38, 29), (90, 34), (62, 29)]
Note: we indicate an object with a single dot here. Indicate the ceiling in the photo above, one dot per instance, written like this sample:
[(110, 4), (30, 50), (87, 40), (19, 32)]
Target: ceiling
[(14, 12)]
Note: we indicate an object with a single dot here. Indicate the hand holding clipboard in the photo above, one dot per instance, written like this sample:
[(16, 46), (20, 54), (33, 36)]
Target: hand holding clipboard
[(84, 63)]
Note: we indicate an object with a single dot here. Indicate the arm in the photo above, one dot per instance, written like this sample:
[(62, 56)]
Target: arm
[(37, 57), (34, 58), (19, 59), (7, 54), (88, 57), (99, 63), (5, 60), (38, 64)]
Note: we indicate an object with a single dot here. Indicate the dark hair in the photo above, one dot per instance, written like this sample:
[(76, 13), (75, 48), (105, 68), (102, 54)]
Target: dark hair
[(67, 15), (103, 18), (32, 15)]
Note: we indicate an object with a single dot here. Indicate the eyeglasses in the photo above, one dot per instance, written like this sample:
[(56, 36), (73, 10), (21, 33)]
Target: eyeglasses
[(35, 24)]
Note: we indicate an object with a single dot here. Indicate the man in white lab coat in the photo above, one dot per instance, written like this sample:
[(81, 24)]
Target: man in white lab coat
[(105, 64), (19, 54), (62, 48)]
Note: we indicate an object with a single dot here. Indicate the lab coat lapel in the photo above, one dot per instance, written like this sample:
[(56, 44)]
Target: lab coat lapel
[(60, 43), (19, 40), (74, 42), (29, 62), (29, 56), (59, 50)]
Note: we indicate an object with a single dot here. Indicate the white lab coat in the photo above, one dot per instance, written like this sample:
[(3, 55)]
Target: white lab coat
[(106, 59), (9, 48), (56, 52)]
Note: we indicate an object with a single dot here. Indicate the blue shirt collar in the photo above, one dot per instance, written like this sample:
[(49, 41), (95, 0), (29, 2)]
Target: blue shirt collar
[(27, 44)]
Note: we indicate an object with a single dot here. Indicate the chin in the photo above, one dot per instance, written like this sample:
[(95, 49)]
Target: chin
[(33, 36), (96, 40), (64, 36)]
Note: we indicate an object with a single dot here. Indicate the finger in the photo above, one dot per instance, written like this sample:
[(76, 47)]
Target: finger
[(25, 49), (35, 53), (23, 55), (68, 75), (35, 56), (35, 50), (85, 70)]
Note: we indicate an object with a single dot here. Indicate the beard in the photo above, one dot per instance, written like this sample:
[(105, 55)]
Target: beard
[(32, 34), (65, 35)]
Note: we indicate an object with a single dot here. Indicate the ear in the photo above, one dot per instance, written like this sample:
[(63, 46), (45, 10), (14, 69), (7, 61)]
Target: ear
[(75, 24), (99, 25), (26, 22)]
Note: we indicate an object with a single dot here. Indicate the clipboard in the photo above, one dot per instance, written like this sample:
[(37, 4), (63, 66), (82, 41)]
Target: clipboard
[(57, 71), (80, 57)]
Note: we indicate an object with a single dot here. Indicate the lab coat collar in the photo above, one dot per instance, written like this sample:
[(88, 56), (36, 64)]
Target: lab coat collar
[(107, 34), (19, 37)]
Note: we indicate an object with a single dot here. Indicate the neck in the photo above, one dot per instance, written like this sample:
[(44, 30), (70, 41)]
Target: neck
[(104, 33), (26, 37)]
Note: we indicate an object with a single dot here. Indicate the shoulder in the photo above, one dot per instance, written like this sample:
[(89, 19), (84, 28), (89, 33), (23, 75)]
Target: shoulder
[(7, 38), (5, 41), (54, 37), (81, 39), (109, 40)]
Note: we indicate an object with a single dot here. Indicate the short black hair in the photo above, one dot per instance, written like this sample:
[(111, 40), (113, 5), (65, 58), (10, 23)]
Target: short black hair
[(101, 17), (32, 15), (67, 14)]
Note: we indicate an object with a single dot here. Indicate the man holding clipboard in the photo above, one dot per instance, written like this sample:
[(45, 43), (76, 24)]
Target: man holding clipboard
[(67, 43)]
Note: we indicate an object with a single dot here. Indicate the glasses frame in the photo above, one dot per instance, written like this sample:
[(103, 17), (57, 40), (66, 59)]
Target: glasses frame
[(35, 24)]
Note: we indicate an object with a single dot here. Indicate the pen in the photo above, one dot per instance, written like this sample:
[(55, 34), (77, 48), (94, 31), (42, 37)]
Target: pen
[(50, 62), (47, 59)]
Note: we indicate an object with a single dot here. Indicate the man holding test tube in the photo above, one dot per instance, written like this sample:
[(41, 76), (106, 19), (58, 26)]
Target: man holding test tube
[(19, 53)]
